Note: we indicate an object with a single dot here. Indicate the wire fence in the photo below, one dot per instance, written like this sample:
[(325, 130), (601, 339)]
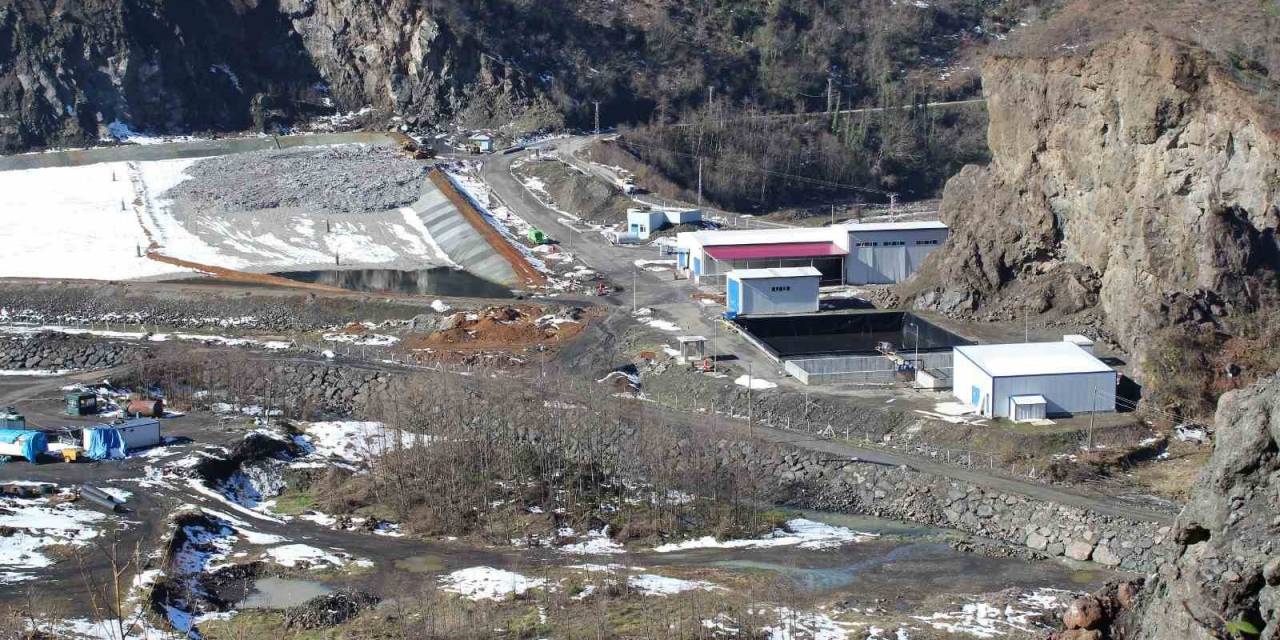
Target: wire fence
[(864, 438)]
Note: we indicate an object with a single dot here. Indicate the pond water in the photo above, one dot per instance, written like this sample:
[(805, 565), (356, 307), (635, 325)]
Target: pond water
[(281, 593), (439, 281)]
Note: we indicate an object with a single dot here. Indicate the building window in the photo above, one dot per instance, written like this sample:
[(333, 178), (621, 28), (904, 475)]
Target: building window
[(895, 243), (866, 244), (785, 287), (920, 242)]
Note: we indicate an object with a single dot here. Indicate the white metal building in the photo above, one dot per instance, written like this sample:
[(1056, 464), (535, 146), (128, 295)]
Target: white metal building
[(996, 379), (643, 221), (863, 253), (758, 292), (889, 252)]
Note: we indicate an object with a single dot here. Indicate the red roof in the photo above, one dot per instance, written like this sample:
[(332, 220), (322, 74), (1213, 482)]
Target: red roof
[(783, 250)]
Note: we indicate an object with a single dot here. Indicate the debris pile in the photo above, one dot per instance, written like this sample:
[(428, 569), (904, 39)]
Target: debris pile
[(329, 610), (503, 328)]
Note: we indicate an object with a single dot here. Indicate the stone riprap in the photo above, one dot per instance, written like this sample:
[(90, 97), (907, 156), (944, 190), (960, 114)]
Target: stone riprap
[(813, 480), (56, 351)]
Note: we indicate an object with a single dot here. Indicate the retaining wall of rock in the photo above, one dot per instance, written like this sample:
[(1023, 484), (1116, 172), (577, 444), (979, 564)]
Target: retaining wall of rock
[(815, 481), (61, 351)]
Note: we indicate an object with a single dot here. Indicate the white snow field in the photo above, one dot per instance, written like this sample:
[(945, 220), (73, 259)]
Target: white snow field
[(98, 221), (73, 222)]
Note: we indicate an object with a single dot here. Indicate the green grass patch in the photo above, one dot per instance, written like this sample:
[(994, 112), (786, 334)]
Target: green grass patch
[(293, 502)]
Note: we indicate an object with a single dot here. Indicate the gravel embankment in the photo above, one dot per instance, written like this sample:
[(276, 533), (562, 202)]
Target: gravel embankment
[(345, 179)]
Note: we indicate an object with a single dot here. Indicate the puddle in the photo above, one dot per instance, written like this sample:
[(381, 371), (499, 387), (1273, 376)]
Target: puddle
[(280, 593), (440, 281), (421, 564)]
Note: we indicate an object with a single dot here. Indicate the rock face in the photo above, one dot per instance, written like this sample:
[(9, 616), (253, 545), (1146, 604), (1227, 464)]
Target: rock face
[(1138, 186), (68, 70), (1226, 542)]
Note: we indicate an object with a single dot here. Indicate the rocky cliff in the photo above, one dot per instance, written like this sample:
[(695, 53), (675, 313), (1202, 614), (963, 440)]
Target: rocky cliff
[(1226, 546), (70, 69), (1137, 186)]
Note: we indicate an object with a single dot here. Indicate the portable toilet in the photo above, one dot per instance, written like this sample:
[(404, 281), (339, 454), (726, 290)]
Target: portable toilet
[(81, 403), (536, 236)]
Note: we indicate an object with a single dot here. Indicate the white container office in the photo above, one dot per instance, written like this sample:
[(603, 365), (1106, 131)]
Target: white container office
[(758, 292)]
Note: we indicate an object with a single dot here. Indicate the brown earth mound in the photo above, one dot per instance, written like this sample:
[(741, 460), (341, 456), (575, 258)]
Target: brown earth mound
[(500, 328)]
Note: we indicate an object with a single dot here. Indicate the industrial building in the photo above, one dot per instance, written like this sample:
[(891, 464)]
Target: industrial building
[(643, 222), (1032, 380), (862, 253), (756, 292)]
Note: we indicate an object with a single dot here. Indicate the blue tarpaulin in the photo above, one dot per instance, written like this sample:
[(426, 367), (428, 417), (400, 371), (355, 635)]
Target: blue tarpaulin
[(31, 443), (104, 443)]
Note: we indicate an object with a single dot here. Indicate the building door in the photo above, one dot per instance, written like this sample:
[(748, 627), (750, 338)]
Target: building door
[(975, 397), (733, 296)]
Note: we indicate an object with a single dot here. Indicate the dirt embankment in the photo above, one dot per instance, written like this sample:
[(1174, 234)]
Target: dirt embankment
[(571, 190)]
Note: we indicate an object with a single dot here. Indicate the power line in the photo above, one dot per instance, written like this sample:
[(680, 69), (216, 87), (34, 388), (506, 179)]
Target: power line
[(745, 167)]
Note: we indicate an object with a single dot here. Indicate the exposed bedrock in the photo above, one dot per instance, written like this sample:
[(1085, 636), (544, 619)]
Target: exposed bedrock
[(1139, 185)]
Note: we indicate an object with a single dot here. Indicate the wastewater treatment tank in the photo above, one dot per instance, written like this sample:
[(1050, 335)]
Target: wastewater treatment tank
[(846, 333)]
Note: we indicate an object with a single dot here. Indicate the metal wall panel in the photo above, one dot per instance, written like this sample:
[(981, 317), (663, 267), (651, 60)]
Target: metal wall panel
[(886, 265), (759, 298), (1067, 393), (965, 377)]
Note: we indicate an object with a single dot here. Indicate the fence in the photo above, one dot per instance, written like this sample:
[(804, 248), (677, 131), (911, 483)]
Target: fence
[(877, 369), (860, 437)]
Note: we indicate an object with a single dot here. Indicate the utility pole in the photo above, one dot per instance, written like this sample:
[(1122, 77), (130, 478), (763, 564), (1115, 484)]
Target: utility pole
[(751, 422), (715, 349), (699, 181), (1093, 409), (597, 103), (833, 214), (828, 92), (635, 272), (710, 94)]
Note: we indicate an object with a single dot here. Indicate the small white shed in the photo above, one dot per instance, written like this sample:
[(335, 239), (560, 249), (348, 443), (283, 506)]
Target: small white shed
[(682, 216), (1027, 408), (1068, 378), (757, 292), (482, 141), (643, 222)]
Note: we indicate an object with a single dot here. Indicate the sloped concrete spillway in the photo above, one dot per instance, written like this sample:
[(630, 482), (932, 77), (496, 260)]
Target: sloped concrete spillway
[(459, 239)]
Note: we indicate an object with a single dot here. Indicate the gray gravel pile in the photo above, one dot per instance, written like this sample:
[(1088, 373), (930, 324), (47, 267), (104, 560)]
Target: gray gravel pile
[(344, 179)]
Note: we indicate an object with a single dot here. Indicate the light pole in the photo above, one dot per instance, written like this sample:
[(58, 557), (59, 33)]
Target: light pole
[(915, 359)]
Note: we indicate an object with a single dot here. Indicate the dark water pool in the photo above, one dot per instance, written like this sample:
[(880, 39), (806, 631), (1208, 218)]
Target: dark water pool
[(441, 281)]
